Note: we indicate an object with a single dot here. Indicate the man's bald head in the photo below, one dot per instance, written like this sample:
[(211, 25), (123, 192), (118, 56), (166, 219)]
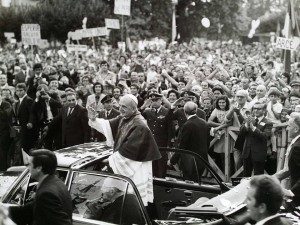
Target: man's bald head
[(190, 108), (128, 105)]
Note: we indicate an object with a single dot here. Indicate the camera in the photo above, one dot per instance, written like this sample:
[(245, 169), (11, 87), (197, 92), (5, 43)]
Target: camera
[(43, 93)]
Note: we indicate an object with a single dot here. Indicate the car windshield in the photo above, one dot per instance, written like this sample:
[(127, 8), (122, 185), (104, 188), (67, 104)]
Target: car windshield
[(7, 178)]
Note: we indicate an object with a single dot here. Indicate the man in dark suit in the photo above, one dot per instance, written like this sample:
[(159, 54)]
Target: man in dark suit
[(193, 137), (24, 74), (291, 166), (109, 112), (5, 141), (179, 114), (23, 132), (73, 119), (255, 131), (34, 81), (159, 120), (52, 203), (44, 109), (264, 200)]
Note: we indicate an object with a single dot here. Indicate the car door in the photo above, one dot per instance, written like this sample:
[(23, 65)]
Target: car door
[(183, 185), (100, 198)]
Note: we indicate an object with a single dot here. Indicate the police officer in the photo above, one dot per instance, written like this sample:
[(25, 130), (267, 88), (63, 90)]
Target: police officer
[(159, 120)]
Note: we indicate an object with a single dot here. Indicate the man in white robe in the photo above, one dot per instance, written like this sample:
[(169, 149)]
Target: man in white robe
[(134, 145)]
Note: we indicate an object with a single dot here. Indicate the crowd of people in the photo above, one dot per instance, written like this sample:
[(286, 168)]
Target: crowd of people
[(181, 96), (45, 97)]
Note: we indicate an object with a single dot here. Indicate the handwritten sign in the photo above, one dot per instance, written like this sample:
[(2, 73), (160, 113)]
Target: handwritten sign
[(112, 23), (91, 32), (288, 44), (77, 48), (31, 34), (9, 35), (122, 7)]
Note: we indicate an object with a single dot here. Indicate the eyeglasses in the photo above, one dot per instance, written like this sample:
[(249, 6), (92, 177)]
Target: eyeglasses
[(257, 108)]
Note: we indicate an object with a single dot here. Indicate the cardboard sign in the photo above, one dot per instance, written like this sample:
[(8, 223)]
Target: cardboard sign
[(77, 35), (31, 34), (93, 32), (122, 7), (9, 35), (13, 41), (112, 23), (43, 43), (288, 44), (122, 46), (77, 48)]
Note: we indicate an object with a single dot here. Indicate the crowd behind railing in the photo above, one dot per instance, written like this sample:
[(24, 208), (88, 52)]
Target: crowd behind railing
[(229, 83)]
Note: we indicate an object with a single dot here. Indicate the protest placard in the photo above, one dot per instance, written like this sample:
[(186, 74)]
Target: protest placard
[(286, 43), (122, 7), (43, 43), (77, 48), (31, 34), (92, 32), (112, 23), (9, 35)]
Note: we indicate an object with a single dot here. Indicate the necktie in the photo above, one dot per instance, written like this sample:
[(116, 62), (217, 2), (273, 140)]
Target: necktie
[(256, 122), (107, 114), (17, 107), (70, 111)]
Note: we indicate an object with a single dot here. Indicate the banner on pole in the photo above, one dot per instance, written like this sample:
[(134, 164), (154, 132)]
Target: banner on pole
[(31, 34), (288, 44), (77, 48), (122, 45), (122, 7), (77, 35), (112, 23), (90, 32)]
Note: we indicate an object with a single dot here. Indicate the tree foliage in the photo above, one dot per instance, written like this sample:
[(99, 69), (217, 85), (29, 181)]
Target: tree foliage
[(149, 18)]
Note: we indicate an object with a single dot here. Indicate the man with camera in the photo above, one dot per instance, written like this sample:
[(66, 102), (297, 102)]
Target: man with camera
[(44, 109), (34, 81)]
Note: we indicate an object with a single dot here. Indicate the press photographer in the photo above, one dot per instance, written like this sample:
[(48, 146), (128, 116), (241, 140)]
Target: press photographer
[(45, 107)]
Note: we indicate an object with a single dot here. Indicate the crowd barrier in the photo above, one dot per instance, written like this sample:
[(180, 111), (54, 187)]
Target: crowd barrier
[(230, 134)]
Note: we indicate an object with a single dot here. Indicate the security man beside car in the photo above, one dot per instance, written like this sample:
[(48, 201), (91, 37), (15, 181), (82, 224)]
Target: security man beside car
[(109, 112), (159, 120), (52, 202)]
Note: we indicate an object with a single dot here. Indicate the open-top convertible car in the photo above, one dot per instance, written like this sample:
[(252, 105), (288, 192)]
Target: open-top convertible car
[(100, 197)]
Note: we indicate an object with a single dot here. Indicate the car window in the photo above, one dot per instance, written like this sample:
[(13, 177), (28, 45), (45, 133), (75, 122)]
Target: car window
[(62, 174), (7, 178), (187, 167), (103, 198), (19, 194)]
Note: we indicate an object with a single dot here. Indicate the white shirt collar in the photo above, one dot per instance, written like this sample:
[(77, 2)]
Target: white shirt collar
[(191, 116), (262, 222), (21, 99), (295, 139)]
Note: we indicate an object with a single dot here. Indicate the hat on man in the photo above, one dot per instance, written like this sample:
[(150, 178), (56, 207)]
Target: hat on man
[(242, 93), (295, 83), (187, 93), (106, 99), (274, 91), (154, 96), (295, 94)]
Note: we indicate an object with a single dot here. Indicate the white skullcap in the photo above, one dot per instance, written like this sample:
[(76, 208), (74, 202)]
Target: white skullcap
[(132, 97)]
